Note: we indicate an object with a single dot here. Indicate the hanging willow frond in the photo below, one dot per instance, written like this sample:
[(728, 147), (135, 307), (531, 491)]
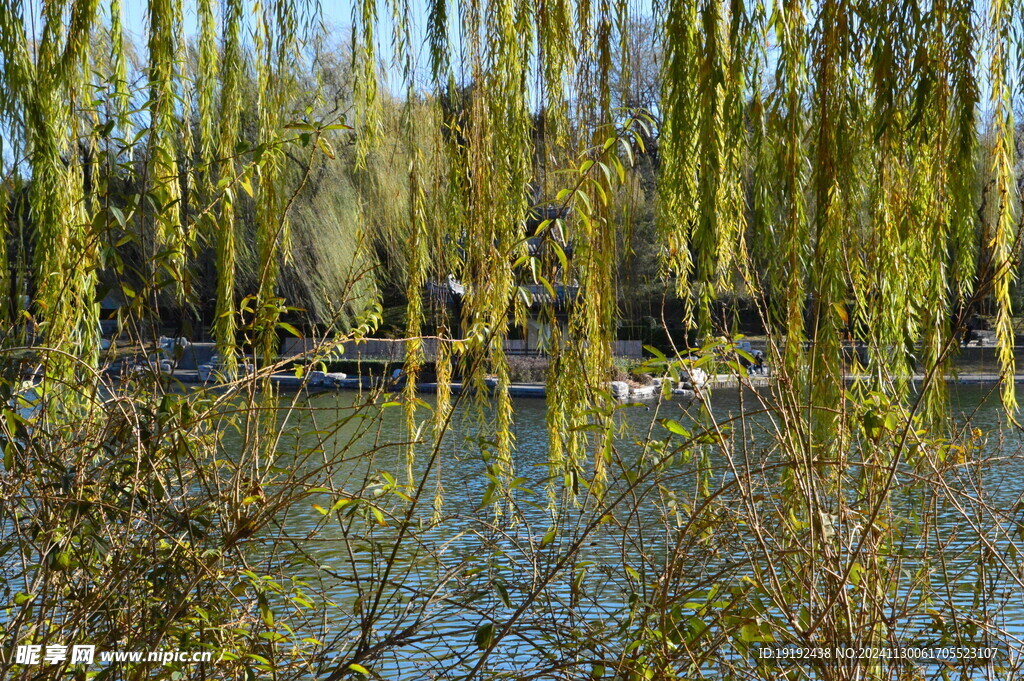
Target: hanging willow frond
[(366, 86), (1001, 238), (418, 256), (44, 79), (119, 75), (787, 277), (232, 70), (963, 104), (830, 175), (206, 86), (162, 171), (678, 210), (437, 41), (6, 281)]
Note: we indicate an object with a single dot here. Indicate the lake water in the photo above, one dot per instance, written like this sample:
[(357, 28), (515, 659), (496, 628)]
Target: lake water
[(474, 568)]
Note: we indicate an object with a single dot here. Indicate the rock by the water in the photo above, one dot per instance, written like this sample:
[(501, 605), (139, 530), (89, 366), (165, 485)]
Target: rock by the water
[(620, 389), (333, 379), (645, 392)]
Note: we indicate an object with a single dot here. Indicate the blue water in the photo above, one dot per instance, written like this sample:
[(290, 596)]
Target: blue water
[(624, 557)]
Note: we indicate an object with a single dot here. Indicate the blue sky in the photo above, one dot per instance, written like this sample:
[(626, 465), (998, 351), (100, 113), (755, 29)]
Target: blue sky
[(337, 16)]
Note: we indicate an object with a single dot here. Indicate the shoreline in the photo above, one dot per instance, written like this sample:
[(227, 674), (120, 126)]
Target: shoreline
[(539, 390)]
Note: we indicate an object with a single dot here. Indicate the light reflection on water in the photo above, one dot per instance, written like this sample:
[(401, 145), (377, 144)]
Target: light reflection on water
[(466, 536)]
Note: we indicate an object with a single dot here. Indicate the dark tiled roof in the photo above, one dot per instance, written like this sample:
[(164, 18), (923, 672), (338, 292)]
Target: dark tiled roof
[(542, 296)]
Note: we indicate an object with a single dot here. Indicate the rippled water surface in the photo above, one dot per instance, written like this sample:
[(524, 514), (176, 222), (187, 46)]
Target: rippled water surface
[(467, 531)]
